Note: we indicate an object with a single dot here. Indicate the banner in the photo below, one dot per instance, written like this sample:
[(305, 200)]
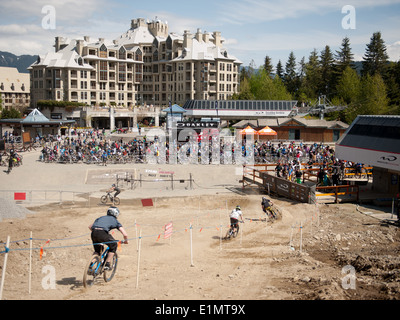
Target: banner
[(168, 230)]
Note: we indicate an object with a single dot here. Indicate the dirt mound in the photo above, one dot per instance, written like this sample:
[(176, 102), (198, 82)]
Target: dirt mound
[(10, 210)]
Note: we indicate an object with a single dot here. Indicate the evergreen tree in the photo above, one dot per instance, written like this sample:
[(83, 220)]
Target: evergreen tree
[(290, 77), (279, 70), (344, 57), (376, 58), (268, 65), (327, 71), (312, 80)]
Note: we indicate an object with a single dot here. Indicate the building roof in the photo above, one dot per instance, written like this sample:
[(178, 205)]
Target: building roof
[(379, 133), (67, 57), (14, 82), (139, 35), (373, 140), (201, 50), (36, 118), (281, 122), (175, 109)]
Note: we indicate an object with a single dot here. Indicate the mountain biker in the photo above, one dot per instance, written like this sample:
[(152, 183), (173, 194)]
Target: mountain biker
[(266, 204), (234, 216), (116, 189), (100, 233)]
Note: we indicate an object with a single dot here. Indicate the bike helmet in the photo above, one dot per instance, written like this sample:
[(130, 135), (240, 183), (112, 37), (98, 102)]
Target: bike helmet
[(238, 207), (113, 211)]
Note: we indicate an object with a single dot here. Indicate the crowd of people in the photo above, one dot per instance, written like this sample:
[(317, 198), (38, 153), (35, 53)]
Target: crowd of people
[(95, 146)]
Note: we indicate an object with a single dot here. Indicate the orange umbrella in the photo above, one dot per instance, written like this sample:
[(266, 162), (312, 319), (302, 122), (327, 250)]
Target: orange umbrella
[(267, 131), (248, 130)]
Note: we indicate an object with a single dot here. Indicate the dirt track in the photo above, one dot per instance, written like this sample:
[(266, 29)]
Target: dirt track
[(264, 262), (258, 264)]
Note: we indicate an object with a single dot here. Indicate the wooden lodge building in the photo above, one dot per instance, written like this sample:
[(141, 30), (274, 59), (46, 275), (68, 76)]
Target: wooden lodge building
[(297, 128)]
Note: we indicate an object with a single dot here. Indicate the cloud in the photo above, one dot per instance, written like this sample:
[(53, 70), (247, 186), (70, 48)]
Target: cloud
[(393, 51), (13, 29), (256, 11)]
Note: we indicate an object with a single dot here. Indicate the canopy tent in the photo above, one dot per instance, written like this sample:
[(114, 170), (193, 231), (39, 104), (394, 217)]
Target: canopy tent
[(248, 130), (267, 131), (174, 109)]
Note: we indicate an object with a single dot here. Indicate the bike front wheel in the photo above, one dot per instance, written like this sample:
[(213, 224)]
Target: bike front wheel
[(103, 199), (109, 274), (92, 270)]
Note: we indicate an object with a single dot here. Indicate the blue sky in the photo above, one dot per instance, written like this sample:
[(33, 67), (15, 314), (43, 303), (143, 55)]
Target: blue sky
[(252, 29)]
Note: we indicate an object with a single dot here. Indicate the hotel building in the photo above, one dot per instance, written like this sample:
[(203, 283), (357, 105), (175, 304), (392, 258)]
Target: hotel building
[(146, 65), (14, 89)]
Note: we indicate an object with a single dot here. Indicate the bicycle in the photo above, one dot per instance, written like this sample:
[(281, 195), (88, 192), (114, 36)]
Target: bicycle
[(232, 232), (95, 268), (114, 200), (271, 213)]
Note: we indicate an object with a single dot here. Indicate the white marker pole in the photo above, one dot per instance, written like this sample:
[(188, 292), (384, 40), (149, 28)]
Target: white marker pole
[(30, 265), (191, 246), (138, 262), (4, 267)]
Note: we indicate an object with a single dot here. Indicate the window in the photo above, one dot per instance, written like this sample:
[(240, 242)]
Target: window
[(103, 51), (103, 71), (138, 55), (122, 53), (122, 72)]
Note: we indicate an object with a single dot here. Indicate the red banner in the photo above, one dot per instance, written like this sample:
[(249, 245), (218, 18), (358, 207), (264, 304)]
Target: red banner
[(19, 196), (147, 202)]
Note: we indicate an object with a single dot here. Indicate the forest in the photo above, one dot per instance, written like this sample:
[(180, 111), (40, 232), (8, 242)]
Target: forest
[(371, 86)]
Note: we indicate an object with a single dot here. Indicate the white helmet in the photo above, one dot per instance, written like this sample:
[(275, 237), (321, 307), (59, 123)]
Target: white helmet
[(113, 211)]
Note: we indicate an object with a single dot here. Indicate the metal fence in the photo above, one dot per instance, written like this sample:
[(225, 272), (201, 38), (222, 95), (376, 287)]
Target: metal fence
[(37, 197)]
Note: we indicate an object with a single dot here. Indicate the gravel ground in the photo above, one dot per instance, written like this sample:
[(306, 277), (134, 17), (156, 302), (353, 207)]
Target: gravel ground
[(10, 210)]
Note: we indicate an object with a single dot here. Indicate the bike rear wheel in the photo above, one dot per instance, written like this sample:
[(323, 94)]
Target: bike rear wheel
[(117, 201), (92, 270), (109, 274)]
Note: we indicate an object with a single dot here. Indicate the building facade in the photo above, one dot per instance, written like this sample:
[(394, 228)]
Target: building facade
[(146, 65), (14, 89)]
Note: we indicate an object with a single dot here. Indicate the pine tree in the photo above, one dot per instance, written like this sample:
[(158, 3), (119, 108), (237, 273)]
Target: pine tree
[(290, 78), (279, 70), (327, 71), (376, 58), (268, 66), (344, 57), (312, 80)]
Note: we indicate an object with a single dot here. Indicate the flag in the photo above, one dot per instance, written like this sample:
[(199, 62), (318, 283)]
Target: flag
[(168, 230)]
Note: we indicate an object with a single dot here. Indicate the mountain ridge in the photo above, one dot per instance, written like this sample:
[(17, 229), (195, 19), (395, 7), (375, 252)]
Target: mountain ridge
[(22, 62)]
